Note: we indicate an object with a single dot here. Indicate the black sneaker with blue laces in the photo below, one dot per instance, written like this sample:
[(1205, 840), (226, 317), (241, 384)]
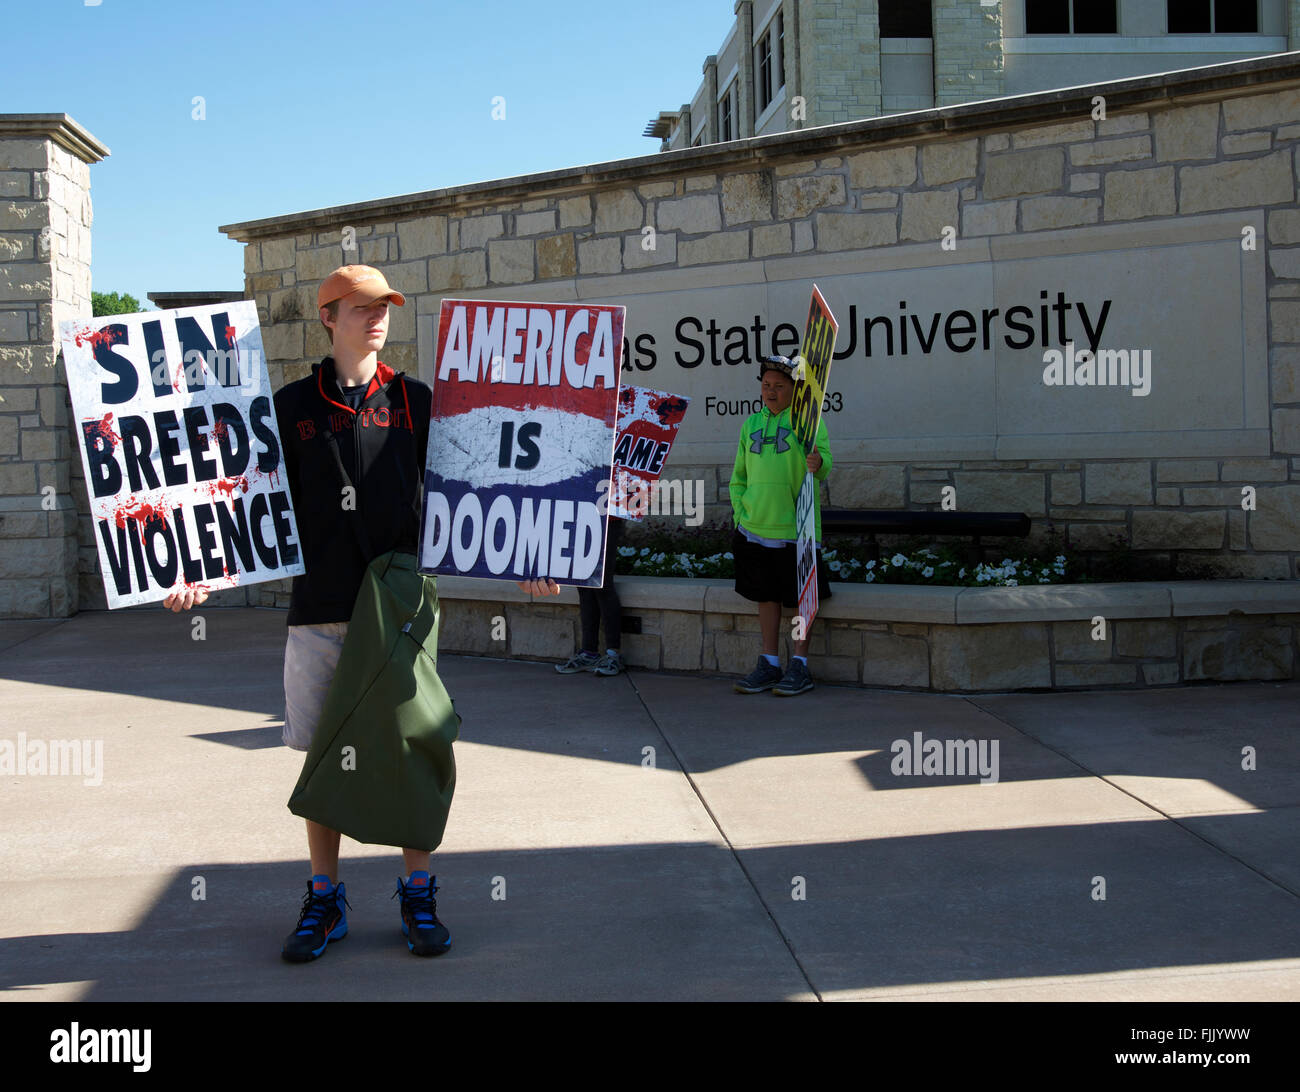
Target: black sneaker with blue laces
[(425, 934), (322, 919), (763, 677), (797, 680)]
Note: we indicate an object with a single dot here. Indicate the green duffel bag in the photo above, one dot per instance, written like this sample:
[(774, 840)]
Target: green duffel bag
[(380, 768)]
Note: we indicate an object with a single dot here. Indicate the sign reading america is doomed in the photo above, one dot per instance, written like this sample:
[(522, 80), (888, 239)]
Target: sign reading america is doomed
[(181, 451), (805, 415), (647, 425), (521, 440)]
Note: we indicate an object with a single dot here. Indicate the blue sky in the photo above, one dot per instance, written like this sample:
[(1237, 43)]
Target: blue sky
[(325, 103)]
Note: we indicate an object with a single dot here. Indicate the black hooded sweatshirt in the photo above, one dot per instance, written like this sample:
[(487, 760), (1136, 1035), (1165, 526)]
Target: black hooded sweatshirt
[(382, 446)]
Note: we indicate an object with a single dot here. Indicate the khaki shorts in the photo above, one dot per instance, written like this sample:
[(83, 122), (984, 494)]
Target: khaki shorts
[(310, 657)]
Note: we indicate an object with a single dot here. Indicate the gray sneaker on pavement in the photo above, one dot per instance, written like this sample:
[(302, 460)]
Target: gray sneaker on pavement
[(579, 661), (763, 677), (797, 679), (610, 664)]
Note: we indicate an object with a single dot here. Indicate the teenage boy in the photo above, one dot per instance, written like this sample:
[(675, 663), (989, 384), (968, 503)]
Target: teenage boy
[(765, 484), (379, 421)]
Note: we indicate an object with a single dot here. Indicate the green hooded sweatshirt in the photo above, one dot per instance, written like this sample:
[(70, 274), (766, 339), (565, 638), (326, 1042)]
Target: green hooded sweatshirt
[(769, 472)]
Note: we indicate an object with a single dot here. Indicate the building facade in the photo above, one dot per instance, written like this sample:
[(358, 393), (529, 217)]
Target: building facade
[(794, 64)]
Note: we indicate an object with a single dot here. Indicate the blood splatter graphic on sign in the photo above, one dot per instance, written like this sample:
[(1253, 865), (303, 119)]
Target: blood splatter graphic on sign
[(227, 487), (103, 430), (670, 411), (142, 512), (95, 338)]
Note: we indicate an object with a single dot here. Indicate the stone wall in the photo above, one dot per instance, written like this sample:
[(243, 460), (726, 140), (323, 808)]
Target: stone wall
[(45, 221), (918, 638), (968, 61), (839, 59), (1170, 146)]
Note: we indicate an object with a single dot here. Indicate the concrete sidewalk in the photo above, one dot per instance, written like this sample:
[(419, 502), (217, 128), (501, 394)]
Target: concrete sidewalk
[(654, 837)]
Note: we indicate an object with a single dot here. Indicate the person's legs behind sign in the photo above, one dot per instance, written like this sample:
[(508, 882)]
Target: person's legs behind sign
[(597, 607)]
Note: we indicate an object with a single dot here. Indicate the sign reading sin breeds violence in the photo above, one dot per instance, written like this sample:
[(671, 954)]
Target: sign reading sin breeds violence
[(181, 451), (521, 440)]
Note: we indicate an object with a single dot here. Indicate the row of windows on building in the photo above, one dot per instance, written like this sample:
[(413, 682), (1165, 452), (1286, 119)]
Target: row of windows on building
[(769, 78), (1101, 17), (910, 19)]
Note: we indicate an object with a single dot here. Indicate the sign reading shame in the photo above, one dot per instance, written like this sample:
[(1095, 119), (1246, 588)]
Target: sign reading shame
[(181, 451), (647, 426), (521, 440)]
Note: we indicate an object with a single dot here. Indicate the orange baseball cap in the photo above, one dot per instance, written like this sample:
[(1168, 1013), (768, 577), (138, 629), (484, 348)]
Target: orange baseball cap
[(357, 278)]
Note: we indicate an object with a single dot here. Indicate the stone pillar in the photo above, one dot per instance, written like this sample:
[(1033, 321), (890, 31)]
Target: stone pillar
[(711, 134), (793, 83), (744, 10), (685, 123), (968, 58), (45, 219), (839, 60)]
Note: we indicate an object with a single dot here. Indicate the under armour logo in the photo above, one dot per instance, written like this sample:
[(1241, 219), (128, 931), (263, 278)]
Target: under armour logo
[(779, 439)]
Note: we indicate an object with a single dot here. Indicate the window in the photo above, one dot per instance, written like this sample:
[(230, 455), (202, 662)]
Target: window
[(1071, 17), (1212, 17), (727, 114), (780, 48), (769, 64), (904, 19)]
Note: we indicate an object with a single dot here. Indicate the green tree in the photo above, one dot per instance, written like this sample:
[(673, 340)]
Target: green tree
[(113, 303)]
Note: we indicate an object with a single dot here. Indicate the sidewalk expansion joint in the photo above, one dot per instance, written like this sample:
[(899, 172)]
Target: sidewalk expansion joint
[(735, 856), (1145, 803)]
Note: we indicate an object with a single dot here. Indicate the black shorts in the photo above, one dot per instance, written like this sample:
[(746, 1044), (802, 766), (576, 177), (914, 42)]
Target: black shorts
[(768, 574)]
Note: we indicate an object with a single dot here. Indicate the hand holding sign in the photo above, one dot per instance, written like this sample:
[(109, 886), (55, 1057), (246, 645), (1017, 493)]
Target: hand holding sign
[(189, 598), (539, 587)]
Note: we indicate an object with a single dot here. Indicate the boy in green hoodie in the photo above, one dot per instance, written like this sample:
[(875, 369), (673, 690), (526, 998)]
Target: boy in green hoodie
[(765, 483)]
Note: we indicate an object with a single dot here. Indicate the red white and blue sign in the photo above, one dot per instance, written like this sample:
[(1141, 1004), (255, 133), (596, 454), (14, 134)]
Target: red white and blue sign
[(647, 426), (521, 440)]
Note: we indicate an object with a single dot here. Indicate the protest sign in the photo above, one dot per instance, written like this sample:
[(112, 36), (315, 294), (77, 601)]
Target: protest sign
[(805, 415), (805, 515), (521, 440), (647, 425), (181, 451), (816, 353)]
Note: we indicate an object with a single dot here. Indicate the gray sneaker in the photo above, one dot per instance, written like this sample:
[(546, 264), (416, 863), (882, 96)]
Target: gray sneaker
[(763, 677), (797, 679), (579, 661), (610, 664)]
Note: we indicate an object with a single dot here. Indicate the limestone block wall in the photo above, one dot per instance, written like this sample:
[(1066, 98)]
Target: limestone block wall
[(968, 59), (1170, 146), (839, 59), (947, 639), (45, 222)]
